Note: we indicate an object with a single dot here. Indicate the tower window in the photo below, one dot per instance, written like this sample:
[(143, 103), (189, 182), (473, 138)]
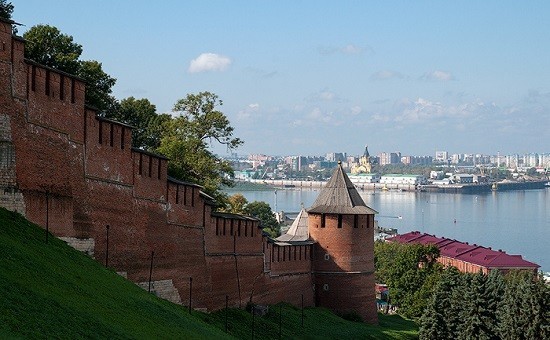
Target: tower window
[(325, 287), (356, 221), (339, 221), (322, 220), (327, 257)]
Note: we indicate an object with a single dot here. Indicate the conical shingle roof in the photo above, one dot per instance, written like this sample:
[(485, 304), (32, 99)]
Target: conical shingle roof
[(340, 196), (298, 231)]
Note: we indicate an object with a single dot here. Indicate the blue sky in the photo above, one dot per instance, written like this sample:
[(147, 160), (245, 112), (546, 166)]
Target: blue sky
[(311, 77)]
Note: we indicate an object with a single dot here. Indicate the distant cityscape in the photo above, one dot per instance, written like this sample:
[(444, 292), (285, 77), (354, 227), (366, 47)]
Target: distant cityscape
[(266, 166)]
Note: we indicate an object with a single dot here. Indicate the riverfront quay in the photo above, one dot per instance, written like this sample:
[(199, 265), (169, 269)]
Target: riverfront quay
[(465, 188)]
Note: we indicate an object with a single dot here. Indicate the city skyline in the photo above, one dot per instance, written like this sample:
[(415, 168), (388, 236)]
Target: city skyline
[(314, 77)]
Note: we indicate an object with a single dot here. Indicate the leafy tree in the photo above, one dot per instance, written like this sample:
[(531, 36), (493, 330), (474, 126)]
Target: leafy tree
[(410, 271), (204, 122), (237, 204), (98, 86), (142, 116), (263, 212), (48, 46), (185, 141), (6, 9)]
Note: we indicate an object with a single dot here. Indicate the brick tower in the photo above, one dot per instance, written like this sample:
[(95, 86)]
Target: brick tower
[(342, 226)]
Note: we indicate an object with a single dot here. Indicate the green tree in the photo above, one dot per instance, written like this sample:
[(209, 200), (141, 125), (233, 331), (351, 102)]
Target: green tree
[(142, 116), (440, 319), (494, 290), (263, 212), (98, 86), (6, 9), (475, 309), (48, 46), (204, 122), (237, 204), (186, 140), (410, 271), (525, 309)]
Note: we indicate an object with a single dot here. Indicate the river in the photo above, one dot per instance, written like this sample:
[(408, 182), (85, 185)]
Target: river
[(517, 222)]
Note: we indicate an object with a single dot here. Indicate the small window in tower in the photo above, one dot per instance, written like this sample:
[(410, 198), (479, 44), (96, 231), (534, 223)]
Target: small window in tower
[(339, 221), (356, 221), (327, 257), (322, 220), (325, 287)]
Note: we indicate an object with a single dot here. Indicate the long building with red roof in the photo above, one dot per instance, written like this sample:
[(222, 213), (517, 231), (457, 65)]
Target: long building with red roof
[(468, 258)]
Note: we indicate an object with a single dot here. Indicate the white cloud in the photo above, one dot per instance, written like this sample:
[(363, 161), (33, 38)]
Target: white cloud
[(438, 75), (346, 49), (420, 110), (351, 49), (324, 96), (355, 110), (384, 75), (209, 62), (317, 115), (248, 112)]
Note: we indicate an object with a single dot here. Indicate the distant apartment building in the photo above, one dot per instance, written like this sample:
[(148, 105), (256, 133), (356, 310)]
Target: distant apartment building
[(389, 158), (512, 161), (544, 160), (475, 159), (498, 160), (416, 160), (335, 157), (456, 158), (481, 159), (441, 156), (531, 160), (258, 157)]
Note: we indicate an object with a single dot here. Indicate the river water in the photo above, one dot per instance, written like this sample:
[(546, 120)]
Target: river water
[(517, 222)]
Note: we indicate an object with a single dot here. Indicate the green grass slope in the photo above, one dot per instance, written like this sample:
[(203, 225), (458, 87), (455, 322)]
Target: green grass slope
[(318, 323), (53, 291)]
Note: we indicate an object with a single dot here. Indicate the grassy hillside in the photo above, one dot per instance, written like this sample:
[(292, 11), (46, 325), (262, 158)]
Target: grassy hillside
[(318, 323), (50, 290)]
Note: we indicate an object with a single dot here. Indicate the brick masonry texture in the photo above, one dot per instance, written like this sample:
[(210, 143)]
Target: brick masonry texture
[(68, 170)]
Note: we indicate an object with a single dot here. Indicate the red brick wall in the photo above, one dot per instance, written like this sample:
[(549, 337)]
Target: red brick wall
[(108, 150), (77, 174), (184, 204), (150, 176)]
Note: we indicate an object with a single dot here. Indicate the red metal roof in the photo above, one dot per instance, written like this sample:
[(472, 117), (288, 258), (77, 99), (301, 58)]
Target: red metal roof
[(463, 251)]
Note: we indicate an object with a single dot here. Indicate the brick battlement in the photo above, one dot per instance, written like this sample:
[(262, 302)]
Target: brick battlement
[(75, 173)]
